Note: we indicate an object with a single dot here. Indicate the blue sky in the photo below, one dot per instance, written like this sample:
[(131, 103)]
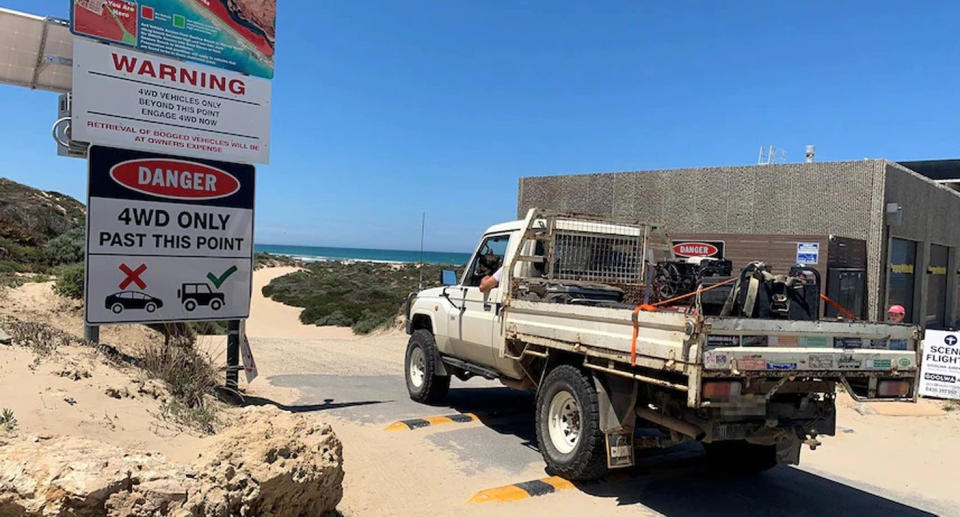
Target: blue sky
[(384, 109)]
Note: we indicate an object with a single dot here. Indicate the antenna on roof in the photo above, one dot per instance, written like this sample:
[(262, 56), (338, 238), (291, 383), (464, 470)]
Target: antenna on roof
[(423, 223)]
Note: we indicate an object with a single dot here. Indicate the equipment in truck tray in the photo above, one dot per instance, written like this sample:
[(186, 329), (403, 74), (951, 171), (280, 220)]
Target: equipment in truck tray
[(597, 295), (758, 293)]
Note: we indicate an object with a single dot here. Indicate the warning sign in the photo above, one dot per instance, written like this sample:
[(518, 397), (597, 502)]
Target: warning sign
[(168, 238), (134, 100), (940, 370)]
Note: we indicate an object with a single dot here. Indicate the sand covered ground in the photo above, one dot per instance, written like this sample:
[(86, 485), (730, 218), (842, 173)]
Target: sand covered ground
[(900, 448)]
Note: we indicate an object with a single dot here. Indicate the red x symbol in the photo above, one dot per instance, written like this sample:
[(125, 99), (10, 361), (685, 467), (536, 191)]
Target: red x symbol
[(133, 276)]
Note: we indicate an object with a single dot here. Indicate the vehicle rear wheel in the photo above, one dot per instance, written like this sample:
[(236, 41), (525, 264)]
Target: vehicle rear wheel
[(741, 457), (420, 369), (568, 425), (216, 304), (116, 308), (189, 305), (150, 307)]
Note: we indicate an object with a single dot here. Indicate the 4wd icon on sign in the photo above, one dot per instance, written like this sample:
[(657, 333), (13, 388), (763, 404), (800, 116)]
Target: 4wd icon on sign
[(713, 249), (168, 238)]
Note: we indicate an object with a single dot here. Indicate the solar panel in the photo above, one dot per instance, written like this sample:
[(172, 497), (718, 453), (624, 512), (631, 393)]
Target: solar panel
[(35, 51)]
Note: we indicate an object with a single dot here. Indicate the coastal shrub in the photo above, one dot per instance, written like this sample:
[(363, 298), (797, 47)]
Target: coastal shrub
[(334, 319), (69, 281), (362, 295), (66, 248)]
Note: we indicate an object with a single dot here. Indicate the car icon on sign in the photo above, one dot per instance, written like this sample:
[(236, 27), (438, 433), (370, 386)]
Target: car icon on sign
[(123, 300)]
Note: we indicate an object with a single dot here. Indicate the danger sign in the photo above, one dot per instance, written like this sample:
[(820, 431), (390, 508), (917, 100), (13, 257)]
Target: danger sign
[(713, 249), (168, 239)]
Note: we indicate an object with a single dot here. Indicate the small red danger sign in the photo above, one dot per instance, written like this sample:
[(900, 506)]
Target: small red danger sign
[(174, 179), (695, 249)]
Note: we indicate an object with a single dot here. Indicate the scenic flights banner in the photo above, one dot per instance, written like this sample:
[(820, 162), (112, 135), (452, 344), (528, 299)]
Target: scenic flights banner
[(237, 35)]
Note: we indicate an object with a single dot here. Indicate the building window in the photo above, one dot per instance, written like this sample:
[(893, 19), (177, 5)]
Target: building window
[(903, 263), (937, 287)]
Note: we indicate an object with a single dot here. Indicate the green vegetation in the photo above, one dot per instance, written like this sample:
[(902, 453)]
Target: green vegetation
[(263, 259), (362, 295), (69, 281), (8, 422), (38, 230), (66, 248)]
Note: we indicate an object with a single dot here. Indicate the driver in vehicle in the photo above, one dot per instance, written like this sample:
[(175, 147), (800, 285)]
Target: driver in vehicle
[(488, 261), (490, 281)]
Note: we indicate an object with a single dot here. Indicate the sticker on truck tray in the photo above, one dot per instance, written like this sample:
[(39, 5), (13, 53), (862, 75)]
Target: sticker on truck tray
[(820, 362), (879, 364), (752, 363), (848, 342), (781, 366), (815, 342), (791, 341), (753, 341), (848, 362), (723, 341), (619, 449)]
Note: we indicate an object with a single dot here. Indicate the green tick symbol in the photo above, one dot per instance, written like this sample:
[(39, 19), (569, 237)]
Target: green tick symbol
[(218, 280)]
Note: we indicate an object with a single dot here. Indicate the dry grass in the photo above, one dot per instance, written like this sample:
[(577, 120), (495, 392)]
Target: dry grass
[(191, 377), (40, 338)]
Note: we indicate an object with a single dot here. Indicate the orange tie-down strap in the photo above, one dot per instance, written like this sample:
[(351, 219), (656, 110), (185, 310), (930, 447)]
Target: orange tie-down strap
[(646, 307)]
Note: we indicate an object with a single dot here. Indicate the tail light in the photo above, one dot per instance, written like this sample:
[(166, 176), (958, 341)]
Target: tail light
[(721, 390), (893, 388)]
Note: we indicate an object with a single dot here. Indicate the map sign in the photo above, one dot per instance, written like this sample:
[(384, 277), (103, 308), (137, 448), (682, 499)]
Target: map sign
[(126, 98), (168, 238), (237, 35)]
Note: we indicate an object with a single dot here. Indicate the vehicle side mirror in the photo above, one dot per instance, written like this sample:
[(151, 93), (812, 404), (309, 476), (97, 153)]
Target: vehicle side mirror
[(448, 277)]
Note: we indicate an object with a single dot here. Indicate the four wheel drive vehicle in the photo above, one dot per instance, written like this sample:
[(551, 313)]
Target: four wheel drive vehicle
[(570, 319), (118, 302), (192, 295)]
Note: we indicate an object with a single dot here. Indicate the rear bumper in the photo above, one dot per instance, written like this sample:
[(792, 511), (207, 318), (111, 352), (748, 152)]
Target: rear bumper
[(858, 371)]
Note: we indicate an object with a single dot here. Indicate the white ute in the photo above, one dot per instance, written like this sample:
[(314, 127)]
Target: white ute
[(565, 322)]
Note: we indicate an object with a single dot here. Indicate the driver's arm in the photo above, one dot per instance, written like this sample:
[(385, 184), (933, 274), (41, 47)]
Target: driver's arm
[(491, 281)]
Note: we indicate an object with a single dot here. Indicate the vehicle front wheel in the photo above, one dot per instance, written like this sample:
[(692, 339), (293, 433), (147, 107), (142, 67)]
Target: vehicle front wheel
[(741, 457), (568, 425), (151, 307), (420, 369), (117, 308), (216, 304)]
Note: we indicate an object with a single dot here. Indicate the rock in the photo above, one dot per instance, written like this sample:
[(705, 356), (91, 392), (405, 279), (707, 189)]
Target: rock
[(76, 476), (268, 463), (4, 337), (272, 462), (69, 400), (117, 393)]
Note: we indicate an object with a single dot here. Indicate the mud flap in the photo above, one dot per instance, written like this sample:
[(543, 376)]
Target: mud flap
[(617, 398), (788, 451)]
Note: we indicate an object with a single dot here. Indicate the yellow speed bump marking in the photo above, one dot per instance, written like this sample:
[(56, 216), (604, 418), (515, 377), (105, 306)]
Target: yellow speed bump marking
[(417, 423), (524, 490)]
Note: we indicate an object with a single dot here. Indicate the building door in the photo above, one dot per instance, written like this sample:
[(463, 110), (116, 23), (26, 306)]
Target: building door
[(846, 287), (903, 262), (935, 317)]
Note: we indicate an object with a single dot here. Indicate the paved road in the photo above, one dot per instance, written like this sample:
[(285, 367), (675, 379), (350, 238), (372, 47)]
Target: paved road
[(674, 482)]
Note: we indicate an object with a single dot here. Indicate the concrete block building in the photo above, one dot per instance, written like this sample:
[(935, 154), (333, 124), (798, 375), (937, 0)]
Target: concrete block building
[(885, 232)]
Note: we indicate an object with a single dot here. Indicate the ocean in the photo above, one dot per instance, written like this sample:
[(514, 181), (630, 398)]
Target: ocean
[(315, 253)]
